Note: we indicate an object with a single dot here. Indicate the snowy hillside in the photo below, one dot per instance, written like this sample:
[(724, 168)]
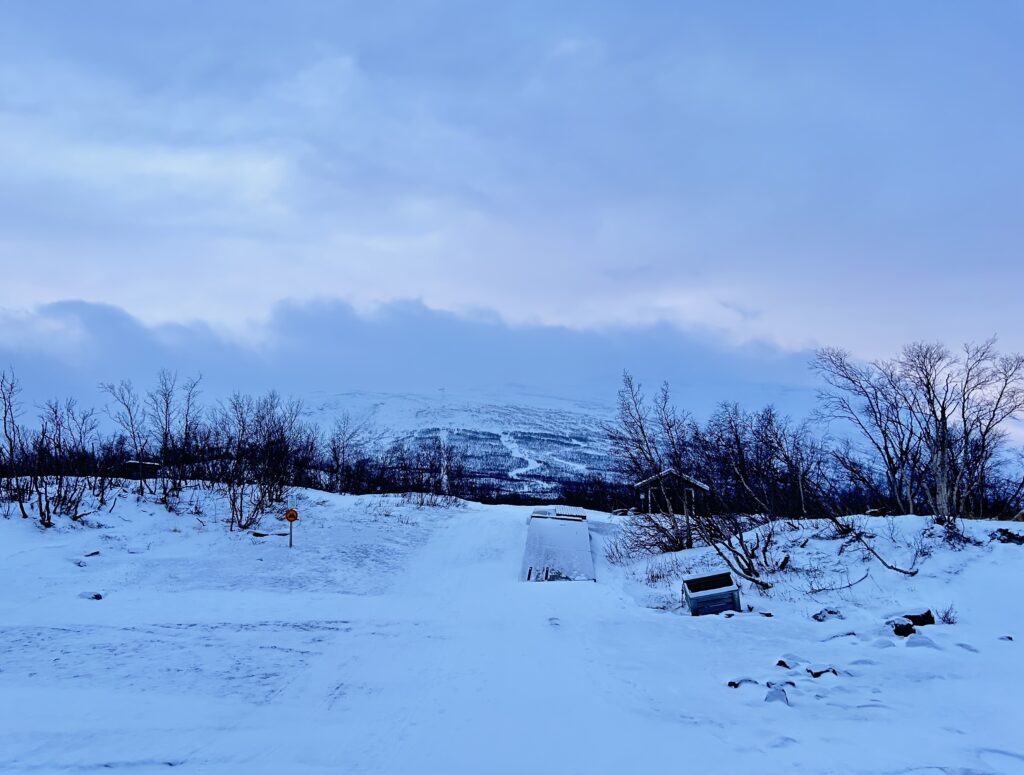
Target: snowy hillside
[(398, 640), (525, 442)]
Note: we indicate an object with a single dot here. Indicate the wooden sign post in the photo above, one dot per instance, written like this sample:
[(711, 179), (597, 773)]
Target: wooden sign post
[(292, 516)]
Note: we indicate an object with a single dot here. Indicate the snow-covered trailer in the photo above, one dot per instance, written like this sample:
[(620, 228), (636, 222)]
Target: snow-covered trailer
[(557, 547), (560, 512), (711, 594)]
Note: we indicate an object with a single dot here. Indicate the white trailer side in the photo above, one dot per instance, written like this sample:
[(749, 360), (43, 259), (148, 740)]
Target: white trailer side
[(557, 550)]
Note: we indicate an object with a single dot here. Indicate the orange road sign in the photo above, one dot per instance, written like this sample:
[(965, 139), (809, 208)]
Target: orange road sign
[(291, 515)]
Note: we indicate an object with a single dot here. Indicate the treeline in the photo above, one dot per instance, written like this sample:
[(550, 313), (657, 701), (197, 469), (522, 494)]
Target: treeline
[(926, 432), (165, 441)]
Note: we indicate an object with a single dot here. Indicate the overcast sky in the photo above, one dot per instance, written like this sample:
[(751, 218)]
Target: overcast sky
[(737, 181)]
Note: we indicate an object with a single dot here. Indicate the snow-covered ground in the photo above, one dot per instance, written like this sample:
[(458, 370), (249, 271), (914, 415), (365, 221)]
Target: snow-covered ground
[(397, 640)]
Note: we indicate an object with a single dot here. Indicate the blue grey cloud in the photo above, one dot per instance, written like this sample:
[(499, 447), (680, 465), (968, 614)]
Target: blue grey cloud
[(309, 349), (793, 175)]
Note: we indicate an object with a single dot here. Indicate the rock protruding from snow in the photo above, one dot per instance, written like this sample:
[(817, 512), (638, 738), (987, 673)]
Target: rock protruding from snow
[(1006, 536), (827, 613), (817, 671), (91, 596), (921, 619), (906, 625), (777, 694), (902, 627), (836, 636), (917, 640), (741, 682)]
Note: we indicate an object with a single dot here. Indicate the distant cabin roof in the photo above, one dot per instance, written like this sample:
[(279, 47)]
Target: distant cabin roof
[(672, 472)]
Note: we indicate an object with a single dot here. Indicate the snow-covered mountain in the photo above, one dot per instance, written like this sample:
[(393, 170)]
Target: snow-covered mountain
[(526, 442)]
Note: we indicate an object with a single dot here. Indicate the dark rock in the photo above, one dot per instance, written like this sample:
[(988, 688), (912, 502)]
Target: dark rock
[(850, 634), (920, 620), (767, 614), (819, 671), (773, 684), (81, 563), (740, 682), (1004, 536), (93, 554), (827, 613), (902, 627), (1005, 637), (91, 596), (784, 663)]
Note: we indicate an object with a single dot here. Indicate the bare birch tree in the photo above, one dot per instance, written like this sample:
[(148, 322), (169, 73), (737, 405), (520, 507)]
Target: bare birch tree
[(130, 414), (13, 454), (873, 397)]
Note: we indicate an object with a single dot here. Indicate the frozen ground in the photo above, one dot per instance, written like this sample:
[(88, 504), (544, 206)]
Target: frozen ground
[(392, 640)]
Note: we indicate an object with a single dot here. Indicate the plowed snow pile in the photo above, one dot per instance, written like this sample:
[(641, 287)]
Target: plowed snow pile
[(398, 640)]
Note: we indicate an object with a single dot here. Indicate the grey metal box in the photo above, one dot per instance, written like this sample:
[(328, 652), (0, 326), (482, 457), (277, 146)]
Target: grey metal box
[(711, 594)]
